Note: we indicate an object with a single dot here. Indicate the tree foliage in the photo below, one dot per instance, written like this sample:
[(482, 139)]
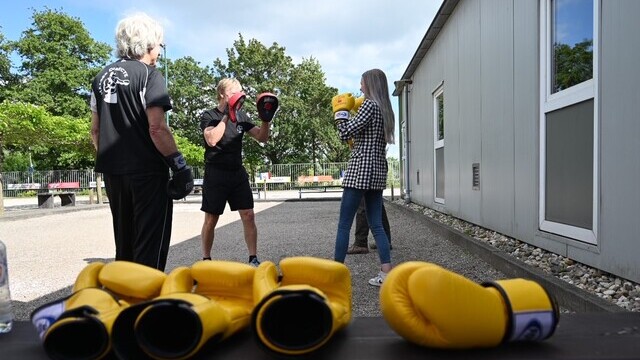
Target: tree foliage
[(55, 142), (59, 60), (47, 116), (192, 90), (6, 79), (194, 154), (302, 131), (573, 64)]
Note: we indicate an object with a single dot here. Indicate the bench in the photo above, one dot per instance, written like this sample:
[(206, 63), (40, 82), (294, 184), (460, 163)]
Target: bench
[(256, 190), (67, 198), (316, 184), (317, 189), (197, 186)]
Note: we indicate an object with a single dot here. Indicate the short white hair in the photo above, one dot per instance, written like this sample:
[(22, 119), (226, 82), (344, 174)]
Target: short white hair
[(136, 35)]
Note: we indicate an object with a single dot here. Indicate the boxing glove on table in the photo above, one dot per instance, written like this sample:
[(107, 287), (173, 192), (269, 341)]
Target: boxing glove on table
[(434, 307), (79, 326), (178, 322), (342, 105), (299, 312)]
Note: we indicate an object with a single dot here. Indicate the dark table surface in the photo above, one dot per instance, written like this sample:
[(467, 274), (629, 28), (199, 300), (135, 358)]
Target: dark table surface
[(578, 336)]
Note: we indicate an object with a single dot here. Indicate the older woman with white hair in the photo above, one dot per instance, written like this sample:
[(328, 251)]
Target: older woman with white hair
[(135, 147)]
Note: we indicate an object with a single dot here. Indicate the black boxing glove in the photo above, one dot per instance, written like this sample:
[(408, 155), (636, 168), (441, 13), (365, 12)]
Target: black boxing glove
[(181, 183), (267, 105), (234, 105)]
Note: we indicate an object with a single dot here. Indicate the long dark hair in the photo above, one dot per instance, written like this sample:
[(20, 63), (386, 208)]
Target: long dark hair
[(376, 89)]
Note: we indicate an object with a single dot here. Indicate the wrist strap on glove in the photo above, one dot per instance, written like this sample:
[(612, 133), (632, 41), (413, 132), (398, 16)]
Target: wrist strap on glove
[(341, 115), (176, 161), (533, 313)]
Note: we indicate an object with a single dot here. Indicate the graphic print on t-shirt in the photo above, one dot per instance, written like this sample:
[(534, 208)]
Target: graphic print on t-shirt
[(109, 81)]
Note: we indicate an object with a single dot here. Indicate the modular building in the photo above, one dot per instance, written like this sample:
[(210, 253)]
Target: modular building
[(522, 116)]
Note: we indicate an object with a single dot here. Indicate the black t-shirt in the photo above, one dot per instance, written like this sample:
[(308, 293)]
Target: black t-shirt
[(227, 154), (123, 91)]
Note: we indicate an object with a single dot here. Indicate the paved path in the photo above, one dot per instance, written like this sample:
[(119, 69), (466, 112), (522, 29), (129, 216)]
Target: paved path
[(47, 248)]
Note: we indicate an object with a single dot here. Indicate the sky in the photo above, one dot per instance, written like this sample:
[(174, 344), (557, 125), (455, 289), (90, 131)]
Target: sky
[(346, 37), (574, 21)]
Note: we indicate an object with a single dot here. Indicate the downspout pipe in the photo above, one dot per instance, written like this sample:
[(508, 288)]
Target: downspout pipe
[(407, 142), (402, 91)]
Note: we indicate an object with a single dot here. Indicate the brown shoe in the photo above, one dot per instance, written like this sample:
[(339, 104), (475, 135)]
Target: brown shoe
[(357, 250)]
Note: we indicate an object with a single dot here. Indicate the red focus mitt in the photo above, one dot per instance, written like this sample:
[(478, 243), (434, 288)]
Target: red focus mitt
[(234, 104), (267, 105)]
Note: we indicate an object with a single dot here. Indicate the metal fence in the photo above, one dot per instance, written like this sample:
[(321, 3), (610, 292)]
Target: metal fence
[(271, 177)]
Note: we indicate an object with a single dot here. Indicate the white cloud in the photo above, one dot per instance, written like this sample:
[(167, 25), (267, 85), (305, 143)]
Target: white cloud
[(346, 37)]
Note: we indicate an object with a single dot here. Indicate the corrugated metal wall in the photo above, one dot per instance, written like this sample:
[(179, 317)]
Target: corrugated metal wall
[(487, 56)]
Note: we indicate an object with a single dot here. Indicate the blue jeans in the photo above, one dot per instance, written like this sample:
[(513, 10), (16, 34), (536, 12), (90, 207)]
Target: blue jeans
[(351, 198)]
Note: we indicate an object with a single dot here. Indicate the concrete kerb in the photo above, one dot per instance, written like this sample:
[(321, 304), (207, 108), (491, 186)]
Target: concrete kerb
[(35, 212), (567, 295)]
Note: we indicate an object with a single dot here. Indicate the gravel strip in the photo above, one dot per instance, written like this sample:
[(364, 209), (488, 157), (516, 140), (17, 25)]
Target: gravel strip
[(621, 292)]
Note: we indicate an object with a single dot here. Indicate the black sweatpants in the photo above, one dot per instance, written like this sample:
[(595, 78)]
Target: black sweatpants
[(362, 226), (142, 213)]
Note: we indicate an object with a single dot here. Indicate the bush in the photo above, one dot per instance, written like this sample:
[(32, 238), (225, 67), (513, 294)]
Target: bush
[(28, 193)]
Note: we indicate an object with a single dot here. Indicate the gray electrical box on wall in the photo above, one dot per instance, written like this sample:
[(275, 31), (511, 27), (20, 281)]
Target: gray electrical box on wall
[(475, 173)]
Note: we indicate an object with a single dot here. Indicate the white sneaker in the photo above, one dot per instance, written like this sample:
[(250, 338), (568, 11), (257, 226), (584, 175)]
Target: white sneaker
[(254, 262), (379, 279)]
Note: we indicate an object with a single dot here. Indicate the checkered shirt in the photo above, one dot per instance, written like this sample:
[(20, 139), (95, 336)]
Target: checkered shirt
[(367, 167)]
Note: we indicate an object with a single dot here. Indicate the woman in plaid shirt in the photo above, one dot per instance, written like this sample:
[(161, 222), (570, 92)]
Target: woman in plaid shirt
[(371, 129)]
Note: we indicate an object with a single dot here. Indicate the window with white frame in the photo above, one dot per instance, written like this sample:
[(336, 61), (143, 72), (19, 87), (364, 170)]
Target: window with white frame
[(569, 118), (438, 144)]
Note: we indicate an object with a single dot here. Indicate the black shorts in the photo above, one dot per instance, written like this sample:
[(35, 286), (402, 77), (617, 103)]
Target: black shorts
[(222, 186)]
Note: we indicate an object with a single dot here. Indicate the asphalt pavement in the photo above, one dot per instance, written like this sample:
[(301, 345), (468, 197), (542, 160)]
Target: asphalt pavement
[(48, 247)]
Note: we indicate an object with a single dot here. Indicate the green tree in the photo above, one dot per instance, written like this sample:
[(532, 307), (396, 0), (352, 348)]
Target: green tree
[(320, 141), (302, 131), (59, 60), (6, 78), (56, 142), (15, 161), (194, 154), (192, 90), (573, 64)]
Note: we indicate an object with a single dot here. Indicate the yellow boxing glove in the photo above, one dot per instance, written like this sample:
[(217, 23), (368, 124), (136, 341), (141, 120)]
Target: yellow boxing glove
[(357, 103), (299, 312), (434, 307), (216, 307), (342, 105), (79, 326)]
